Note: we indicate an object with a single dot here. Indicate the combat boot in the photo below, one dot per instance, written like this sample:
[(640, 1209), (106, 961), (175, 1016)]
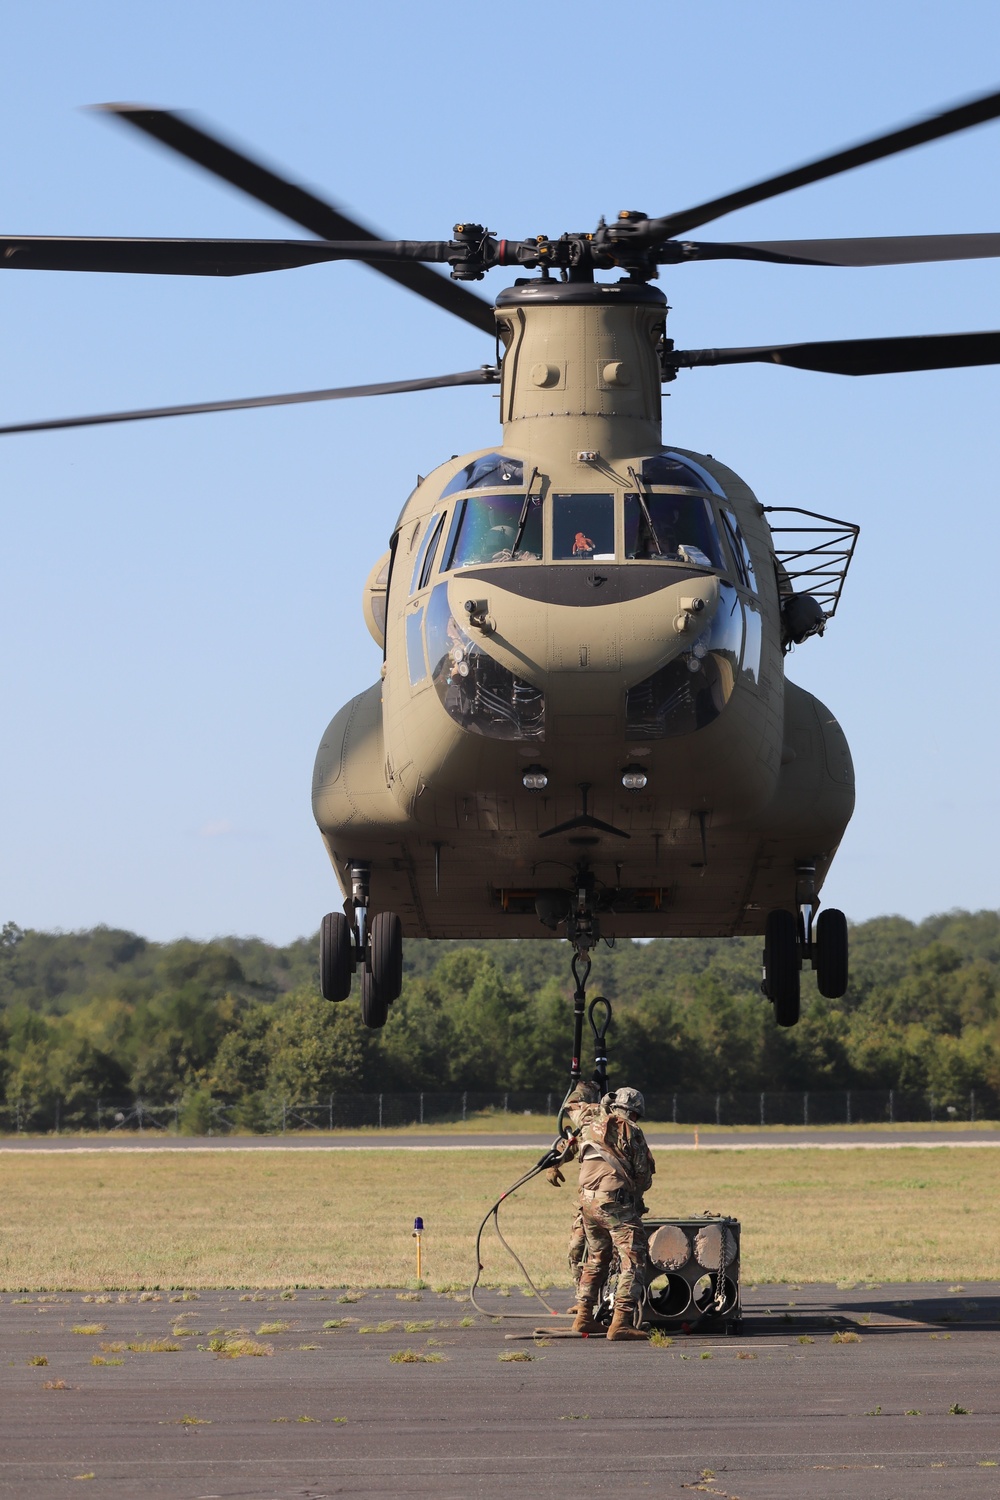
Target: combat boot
[(584, 1320), (622, 1324)]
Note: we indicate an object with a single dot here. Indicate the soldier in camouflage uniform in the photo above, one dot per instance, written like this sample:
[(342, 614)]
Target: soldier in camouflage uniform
[(580, 1104), (616, 1169)]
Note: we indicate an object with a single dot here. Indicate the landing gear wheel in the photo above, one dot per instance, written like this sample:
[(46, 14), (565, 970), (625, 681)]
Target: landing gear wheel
[(382, 978), (781, 966), (335, 964), (830, 946)]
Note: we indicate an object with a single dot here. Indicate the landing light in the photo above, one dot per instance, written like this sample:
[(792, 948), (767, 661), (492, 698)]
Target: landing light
[(535, 779), (634, 778)]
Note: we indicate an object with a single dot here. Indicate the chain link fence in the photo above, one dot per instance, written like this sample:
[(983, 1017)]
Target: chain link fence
[(200, 1114)]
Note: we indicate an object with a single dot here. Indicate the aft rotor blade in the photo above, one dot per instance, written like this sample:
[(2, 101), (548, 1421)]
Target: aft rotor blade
[(296, 203), (962, 117), (485, 375), (892, 250), (933, 351)]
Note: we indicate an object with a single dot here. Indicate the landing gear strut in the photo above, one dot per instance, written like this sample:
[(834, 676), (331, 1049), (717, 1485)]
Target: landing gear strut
[(349, 941), (792, 940)]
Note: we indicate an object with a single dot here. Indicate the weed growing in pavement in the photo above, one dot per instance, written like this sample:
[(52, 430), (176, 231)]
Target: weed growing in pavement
[(89, 1328), (912, 1412), (99, 1359), (411, 1357), (805, 1339), (660, 1340), (153, 1346), (351, 1297), (193, 1422), (38, 1359), (746, 1354), (467, 1323), (388, 1327), (408, 1297), (418, 1327), (55, 1385), (226, 1348), (958, 1411), (876, 1411), (338, 1323), (846, 1338), (515, 1357), (706, 1354), (277, 1327)]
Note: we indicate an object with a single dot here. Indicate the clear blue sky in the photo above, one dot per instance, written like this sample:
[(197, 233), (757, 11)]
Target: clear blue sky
[(181, 600)]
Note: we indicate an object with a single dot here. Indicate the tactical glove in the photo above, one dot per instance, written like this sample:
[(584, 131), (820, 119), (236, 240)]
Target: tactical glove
[(555, 1177)]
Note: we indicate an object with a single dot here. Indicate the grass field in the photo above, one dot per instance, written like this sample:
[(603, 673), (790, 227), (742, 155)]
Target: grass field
[(270, 1219)]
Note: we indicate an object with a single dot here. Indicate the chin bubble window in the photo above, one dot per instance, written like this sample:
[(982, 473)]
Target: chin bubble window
[(693, 689), (671, 528), (583, 528), (495, 528), (475, 690)]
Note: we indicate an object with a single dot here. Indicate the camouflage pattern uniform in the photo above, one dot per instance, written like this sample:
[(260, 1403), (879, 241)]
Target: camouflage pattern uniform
[(580, 1105), (616, 1169)]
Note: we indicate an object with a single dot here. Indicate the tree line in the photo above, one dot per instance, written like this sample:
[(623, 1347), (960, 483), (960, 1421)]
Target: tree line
[(107, 1014)]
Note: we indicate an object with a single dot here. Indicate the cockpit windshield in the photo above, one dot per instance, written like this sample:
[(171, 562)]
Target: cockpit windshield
[(495, 528), (583, 527), (671, 528)]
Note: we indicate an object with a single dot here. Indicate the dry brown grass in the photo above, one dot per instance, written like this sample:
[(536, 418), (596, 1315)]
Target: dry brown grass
[(261, 1218)]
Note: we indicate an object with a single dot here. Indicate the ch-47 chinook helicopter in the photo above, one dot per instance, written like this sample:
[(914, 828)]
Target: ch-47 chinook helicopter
[(582, 723)]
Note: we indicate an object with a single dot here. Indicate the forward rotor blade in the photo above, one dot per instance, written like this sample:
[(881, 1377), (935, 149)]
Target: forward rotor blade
[(296, 203), (962, 117), (934, 351), (893, 250), (173, 257), (485, 375)]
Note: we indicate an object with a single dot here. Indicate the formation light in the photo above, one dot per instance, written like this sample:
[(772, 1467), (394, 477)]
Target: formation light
[(634, 778), (535, 779)]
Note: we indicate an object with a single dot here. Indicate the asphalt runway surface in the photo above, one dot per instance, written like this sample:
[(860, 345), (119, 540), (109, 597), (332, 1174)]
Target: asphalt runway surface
[(388, 1140), (906, 1407)]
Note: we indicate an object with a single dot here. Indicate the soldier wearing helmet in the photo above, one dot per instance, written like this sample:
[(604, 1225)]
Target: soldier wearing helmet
[(616, 1169), (581, 1103)]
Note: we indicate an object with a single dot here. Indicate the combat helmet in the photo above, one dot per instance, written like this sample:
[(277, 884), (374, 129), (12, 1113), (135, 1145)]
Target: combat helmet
[(629, 1100)]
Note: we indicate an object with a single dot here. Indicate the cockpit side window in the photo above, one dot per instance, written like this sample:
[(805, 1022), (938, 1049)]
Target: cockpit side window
[(741, 552), (495, 528), (418, 567), (583, 528), (431, 553), (671, 528)]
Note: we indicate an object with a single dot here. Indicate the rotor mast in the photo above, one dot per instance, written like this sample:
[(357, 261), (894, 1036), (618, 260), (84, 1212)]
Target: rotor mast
[(581, 371)]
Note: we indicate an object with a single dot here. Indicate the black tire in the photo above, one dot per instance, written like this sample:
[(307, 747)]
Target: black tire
[(374, 1002), (335, 966), (831, 947), (781, 964), (382, 977), (385, 953)]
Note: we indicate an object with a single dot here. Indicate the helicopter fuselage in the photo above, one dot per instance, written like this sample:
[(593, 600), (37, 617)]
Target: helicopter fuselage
[(583, 668)]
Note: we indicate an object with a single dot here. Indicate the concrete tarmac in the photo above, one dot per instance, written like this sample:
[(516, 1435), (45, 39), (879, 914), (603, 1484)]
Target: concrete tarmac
[(909, 1406), (388, 1140)]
